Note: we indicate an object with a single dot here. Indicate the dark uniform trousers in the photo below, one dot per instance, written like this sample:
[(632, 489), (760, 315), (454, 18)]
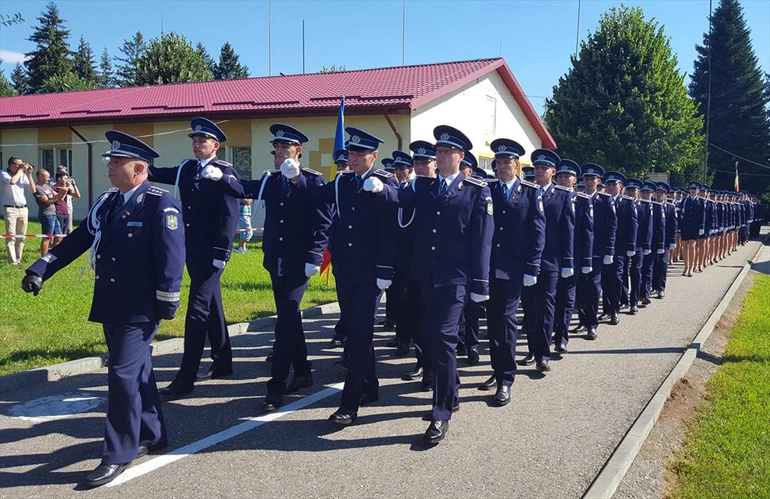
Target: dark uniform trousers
[(504, 297), (392, 296), (289, 349), (409, 310), (565, 305), (469, 326), (635, 272), (616, 273), (539, 340), (660, 271), (647, 269), (359, 305), (589, 288), (133, 393)]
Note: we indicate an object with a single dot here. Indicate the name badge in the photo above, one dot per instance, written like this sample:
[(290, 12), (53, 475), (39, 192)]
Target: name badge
[(134, 224)]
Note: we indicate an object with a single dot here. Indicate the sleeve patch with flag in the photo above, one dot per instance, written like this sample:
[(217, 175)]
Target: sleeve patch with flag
[(172, 221)]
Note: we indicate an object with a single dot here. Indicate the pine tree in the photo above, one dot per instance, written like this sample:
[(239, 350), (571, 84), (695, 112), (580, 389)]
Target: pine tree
[(623, 103), (19, 79), (738, 122), (83, 64), (6, 89), (229, 67), (207, 59), (171, 59), (68, 82), (52, 55), (104, 77), (133, 50)]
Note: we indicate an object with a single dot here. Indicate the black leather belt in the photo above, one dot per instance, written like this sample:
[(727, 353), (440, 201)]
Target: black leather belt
[(15, 205)]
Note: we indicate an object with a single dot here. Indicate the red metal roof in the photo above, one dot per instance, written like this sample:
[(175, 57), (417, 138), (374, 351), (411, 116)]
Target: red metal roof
[(398, 89)]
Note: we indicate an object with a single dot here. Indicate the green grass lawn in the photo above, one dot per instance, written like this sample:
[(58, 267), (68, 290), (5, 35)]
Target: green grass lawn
[(53, 327), (727, 454)]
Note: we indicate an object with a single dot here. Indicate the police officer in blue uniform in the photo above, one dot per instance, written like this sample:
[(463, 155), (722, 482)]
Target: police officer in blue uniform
[(211, 219), (343, 164), (582, 204), (398, 299), (468, 344), (605, 225), (517, 247), (136, 238), (452, 250), (643, 243), (625, 244), (658, 246), (660, 268), (364, 250), (557, 260), (295, 235)]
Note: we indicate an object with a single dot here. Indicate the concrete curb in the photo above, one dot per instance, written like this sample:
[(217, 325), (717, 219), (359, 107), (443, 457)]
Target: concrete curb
[(608, 480), (90, 364)]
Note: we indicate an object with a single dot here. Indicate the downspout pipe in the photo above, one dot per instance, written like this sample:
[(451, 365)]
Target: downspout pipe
[(90, 167), (395, 131)]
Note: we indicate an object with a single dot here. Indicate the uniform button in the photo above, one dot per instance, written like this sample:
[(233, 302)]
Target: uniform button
[(280, 204), (130, 235), (97, 276), (113, 258), (98, 256), (350, 226), (186, 225), (281, 221), (501, 228), (189, 207), (438, 212), (433, 248), (280, 238), (434, 231), (503, 212), (112, 279), (352, 208), (350, 245)]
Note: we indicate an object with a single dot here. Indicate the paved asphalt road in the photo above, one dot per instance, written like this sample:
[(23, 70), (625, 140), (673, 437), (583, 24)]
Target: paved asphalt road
[(550, 442)]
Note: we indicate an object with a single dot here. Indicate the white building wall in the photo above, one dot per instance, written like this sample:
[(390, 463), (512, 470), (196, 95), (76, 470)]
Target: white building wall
[(483, 110)]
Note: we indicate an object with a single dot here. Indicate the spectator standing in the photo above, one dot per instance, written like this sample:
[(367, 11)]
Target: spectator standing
[(46, 199), (64, 206), (244, 225), (13, 181)]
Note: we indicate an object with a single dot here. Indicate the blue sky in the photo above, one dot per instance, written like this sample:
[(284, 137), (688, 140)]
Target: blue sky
[(536, 38)]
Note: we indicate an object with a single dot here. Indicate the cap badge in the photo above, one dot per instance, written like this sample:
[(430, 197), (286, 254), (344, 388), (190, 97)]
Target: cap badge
[(444, 137), (198, 128), (502, 148), (355, 139), (421, 150), (279, 133), (115, 144)]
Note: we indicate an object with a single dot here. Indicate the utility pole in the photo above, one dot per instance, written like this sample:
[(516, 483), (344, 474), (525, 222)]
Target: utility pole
[(269, 38), (708, 100)]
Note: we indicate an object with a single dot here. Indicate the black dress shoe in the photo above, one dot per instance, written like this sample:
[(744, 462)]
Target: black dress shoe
[(436, 431), (343, 417), (402, 350), (299, 382), (591, 335), (340, 364), (426, 386), (646, 301), (272, 402), (502, 396), (579, 328), (603, 317), (560, 349), (143, 450), (104, 473), (460, 350), (368, 398), (528, 360), (473, 357), (413, 375), (633, 310), (337, 341), (214, 372), (488, 384), (661, 294), (544, 366), (428, 416), (615, 320), (176, 389)]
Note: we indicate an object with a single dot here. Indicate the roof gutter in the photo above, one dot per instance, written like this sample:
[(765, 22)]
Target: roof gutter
[(395, 130), (90, 167)]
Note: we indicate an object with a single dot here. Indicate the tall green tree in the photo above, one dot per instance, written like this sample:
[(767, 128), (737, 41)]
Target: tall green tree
[(52, 55), (67, 82), (132, 51), (207, 59), (738, 122), (171, 59), (83, 62), (229, 67), (623, 103), (19, 79), (6, 89), (105, 77)]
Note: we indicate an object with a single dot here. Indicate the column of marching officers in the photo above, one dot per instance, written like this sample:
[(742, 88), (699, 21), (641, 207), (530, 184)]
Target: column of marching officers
[(449, 242)]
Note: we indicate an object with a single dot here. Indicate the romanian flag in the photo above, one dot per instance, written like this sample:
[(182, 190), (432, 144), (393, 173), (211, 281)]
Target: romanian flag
[(737, 183), (326, 263), (339, 134)]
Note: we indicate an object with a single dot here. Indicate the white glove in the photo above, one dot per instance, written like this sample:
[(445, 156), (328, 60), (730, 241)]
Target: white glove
[(220, 264), (529, 280), (373, 184), (477, 298), (672, 246), (290, 168), (311, 270), (567, 272), (211, 172), (384, 283), (586, 270), (646, 252), (661, 251), (630, 253), (608, 259), (701, 232)]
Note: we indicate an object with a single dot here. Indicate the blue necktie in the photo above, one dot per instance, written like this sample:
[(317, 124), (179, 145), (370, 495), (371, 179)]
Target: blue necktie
[(443, 186), (505, 193), (359, 182), (198, 168), (284, 183)]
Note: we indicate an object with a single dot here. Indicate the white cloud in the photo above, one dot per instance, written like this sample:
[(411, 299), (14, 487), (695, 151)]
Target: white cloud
[(11, 57)]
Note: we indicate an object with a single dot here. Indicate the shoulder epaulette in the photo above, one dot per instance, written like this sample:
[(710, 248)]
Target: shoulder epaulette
[(671, 201), (382, 174), (583, 195), (658, 203), (312, 172), (157, 191), (605, 194), (644, 200), (564, 188), (476, 181), (221, 162), (627, 197), (530, 184)]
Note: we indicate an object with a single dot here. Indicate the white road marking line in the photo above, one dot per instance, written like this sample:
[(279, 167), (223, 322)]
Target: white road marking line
[(210, 441)]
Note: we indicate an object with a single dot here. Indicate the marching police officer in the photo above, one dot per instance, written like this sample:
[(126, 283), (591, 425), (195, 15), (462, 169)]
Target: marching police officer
[(658, 246), (566, 176), (339, 336), (452, 249), (625, 245), (605, 226), (660, 268), (517, 247), (136, 238), (557, 261), (211, 218), (398, 292), (643, 247), (364, 250)]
